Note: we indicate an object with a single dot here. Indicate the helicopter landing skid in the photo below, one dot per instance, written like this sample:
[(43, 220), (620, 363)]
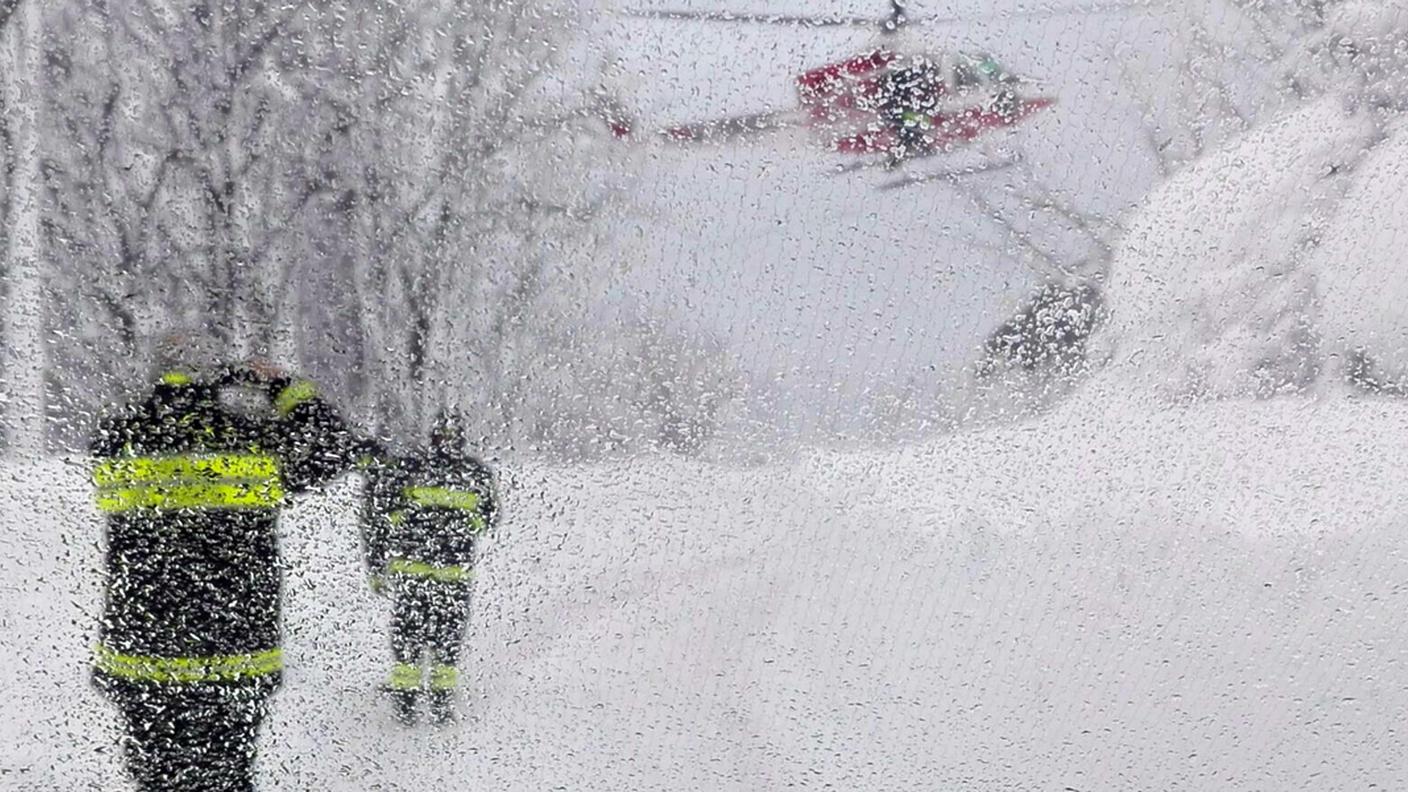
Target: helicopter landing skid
[(950, 175)]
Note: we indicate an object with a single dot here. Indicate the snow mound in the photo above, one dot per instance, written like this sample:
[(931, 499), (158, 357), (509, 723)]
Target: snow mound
[(1362, 261), (1210, 294)]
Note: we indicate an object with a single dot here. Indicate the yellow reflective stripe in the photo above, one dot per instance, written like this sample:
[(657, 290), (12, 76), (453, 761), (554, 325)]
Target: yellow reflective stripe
[(420, 569), (134, 471), (261, 495), (404, 676), (294, 395), (176, 378), (917, 118), (444, 677), (215, 668), (219, 481), (443, 496)]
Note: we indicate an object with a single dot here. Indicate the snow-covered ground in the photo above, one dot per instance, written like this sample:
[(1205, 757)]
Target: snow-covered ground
[(1114, 597)]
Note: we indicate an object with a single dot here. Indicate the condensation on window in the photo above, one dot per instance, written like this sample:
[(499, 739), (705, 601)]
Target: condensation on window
[(701, 395)]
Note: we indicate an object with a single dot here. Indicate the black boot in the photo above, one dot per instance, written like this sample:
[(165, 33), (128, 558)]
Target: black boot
[(442, 707), (403, 706)]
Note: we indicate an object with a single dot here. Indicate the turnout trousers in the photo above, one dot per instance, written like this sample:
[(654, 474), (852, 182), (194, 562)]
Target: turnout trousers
[(428, 622), (191, 737)]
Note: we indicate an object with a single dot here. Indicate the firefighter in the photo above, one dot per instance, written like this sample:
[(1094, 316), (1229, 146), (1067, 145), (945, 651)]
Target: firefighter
[(191, 480), (424, 512), (908, 103)]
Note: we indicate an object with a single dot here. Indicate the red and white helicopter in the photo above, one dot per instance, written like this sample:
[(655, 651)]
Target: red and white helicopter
[(888, 102)]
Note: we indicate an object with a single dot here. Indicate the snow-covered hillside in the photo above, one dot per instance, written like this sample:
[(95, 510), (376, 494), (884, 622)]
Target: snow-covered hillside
[(1259, 268), (1365, 280), (1210, 291), (1110, 598)]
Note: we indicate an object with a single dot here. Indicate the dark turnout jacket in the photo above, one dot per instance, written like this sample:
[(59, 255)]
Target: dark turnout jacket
[(191, 485), (424, 512)]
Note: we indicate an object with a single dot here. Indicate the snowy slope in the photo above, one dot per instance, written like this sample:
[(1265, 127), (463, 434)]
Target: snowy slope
[(1362, 257), (1257, 268), (1113, 597), (1211, 281)]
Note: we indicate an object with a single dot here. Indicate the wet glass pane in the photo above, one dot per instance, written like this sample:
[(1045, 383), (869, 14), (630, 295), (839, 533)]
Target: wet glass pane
[(703, 395)]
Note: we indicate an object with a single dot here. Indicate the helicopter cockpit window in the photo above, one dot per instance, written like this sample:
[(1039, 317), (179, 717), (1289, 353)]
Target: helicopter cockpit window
[(991, 69), (914, 86)]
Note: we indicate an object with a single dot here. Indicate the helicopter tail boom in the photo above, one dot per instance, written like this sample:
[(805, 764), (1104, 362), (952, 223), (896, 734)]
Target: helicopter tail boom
[(728, 128)]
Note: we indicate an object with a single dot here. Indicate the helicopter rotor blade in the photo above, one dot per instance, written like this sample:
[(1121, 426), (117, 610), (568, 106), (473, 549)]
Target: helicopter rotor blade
[(1039, 13), (761, 19), (892, 22)]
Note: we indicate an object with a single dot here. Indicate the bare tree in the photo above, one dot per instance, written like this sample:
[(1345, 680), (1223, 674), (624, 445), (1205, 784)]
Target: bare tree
[(409, 199), (181, 167), (21, 27), (7, 10), (473, 226), (1228, 64)]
